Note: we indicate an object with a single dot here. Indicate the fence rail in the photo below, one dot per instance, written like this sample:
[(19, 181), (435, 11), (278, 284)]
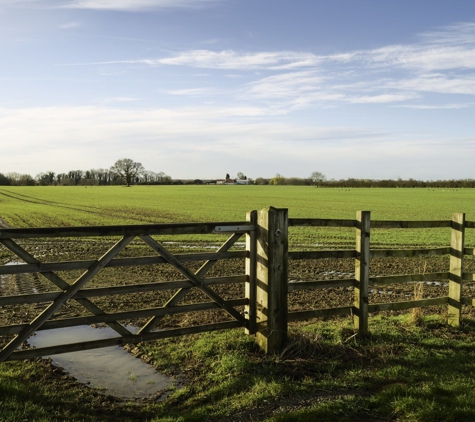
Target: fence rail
[(263, 309)]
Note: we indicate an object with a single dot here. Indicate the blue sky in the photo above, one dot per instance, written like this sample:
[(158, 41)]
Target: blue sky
[(200, 88)]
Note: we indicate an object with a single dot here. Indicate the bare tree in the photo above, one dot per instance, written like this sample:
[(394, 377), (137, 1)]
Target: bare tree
[(317, 177), (127, 169)]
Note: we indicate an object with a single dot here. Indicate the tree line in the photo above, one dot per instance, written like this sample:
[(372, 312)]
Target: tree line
[(123, 171), (129, 172), (321, 181)]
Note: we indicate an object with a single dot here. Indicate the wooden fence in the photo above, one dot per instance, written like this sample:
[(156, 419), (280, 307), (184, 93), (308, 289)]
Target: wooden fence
[(263, 309)]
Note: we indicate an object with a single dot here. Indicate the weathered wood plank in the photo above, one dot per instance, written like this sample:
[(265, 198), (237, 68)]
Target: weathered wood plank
[(320, 284), (457, 245), (320, 222), (120, 316), (120, 341), (335, 254), (360, 317), (319, 313), (469, 301), (119, 290), (389, 224), (407, 278), (470, 224), (407, 253), (65, 296), (41, 267), (251, 271), (272, 278), (399, 306), (122, 230)]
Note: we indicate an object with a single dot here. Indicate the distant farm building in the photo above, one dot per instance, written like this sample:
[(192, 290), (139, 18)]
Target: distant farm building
[(233, 182)]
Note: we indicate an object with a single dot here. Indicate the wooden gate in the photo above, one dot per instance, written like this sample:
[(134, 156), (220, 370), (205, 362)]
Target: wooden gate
[(13, 239)]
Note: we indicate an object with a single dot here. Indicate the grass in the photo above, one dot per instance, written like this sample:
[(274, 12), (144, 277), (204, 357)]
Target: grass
[(409, 369), (76, 206), (403, 372)]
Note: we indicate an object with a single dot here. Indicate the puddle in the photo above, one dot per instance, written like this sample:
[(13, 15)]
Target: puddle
[(111, 369)]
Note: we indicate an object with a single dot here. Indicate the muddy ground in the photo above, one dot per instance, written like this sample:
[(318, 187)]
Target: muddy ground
[(307, 270)]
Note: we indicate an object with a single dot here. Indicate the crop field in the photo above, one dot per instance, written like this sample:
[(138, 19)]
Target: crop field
[(80, 206), (409, 370)]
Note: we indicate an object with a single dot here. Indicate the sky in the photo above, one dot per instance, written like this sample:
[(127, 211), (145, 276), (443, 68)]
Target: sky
[(374, 89)]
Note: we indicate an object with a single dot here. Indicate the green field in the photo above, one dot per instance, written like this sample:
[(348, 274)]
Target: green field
[(79, 206), (413, 367)]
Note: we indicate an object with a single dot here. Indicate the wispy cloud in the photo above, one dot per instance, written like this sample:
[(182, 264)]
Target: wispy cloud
[(440, 83), (380, 99), (192, 91), (441, 61), (229, 59), (135, 5), (451, 47), (70, 25), (117, 5), (437, 107), (286, 84), (120, 99), (226, 60)]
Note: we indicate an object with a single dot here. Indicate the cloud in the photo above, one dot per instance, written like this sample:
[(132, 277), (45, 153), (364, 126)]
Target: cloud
[(286, 84), (441, 61), (120, 99), (439, 83), (135, 5), (380, 99), (70, 25), (436, 107), (229, 59), (192, 91), (117, 5)]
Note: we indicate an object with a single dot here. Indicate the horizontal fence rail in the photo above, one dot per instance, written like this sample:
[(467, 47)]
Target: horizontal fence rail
[(363, 253), (135, 230), (263, 309)]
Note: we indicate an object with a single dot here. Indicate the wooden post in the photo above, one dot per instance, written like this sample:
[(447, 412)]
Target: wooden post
[(271, 278), (360, 318), (457, 245), (250, 310)]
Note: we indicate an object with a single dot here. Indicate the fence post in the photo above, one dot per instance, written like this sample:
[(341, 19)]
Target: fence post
[(251, 268), (457, 244), (360, 318), (271, 278)]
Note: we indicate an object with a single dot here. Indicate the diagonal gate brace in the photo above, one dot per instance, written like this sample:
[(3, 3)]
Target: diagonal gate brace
[(194, 279), (180, 294), (63, 285), (65, 296)]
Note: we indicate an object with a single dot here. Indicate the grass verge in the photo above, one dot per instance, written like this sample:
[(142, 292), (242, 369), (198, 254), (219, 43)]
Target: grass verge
[(403, 371)]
